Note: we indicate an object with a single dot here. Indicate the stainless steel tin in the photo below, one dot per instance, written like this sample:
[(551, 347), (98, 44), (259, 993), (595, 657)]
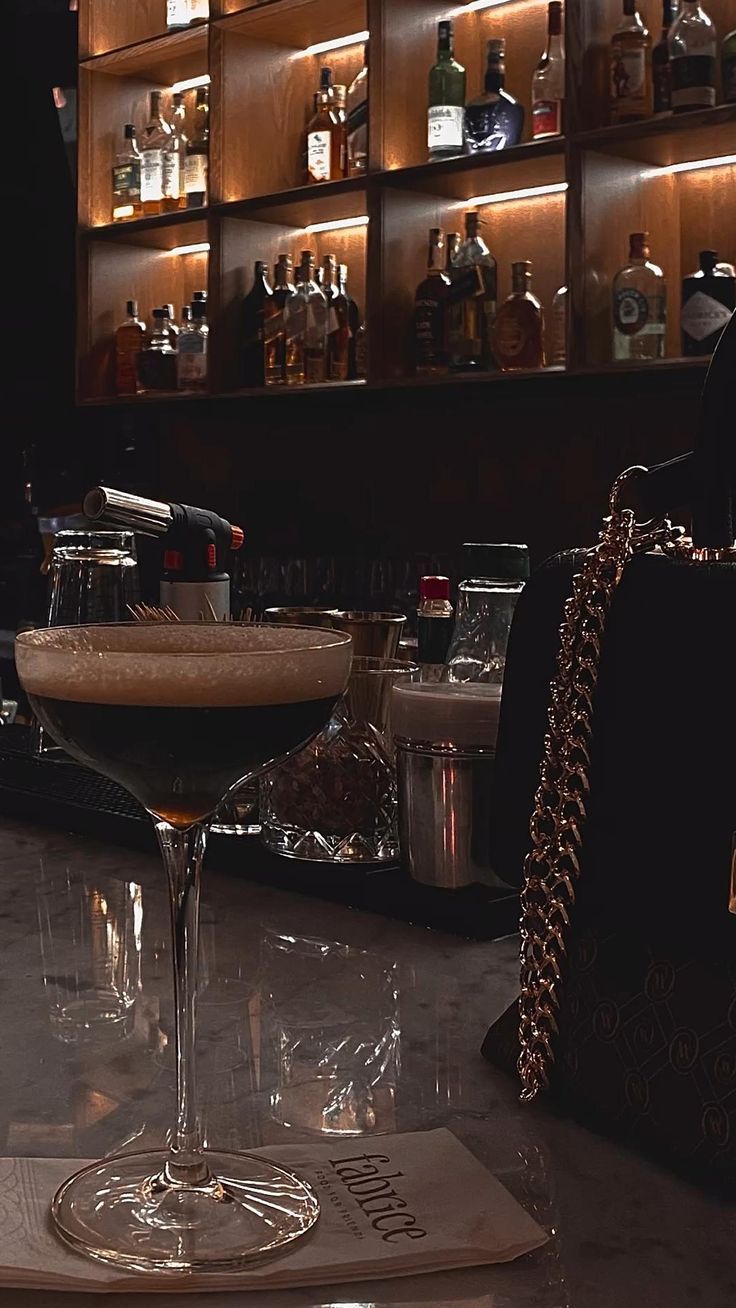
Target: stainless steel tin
[(445, 813)]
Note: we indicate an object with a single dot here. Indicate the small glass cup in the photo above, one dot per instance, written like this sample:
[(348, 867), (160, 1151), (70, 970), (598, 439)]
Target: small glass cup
[(335, 801), (90, 939)]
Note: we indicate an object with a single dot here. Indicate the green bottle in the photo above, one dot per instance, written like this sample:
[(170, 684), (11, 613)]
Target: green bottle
[(446, 108)]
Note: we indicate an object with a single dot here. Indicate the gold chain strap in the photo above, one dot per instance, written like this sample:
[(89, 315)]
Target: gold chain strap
[(553, 863)]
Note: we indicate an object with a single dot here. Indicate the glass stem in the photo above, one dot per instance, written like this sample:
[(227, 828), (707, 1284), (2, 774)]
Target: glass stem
[(183, 851)]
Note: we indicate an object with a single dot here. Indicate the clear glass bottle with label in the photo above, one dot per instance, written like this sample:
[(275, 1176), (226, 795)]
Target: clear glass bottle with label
[(326, 134), (191, 358), (639, 305), (174, 156), (446, 99), (315, 321), (693, 48), (661, 79), (631, 68), (472, 301), (197, 152), (126, 179), (708, 301), (548, 82), (157, 363), (518, 334), (155, 145)]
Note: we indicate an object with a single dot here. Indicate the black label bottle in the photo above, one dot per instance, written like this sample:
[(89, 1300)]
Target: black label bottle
[(430, 312), (253, 320), (708, 301)]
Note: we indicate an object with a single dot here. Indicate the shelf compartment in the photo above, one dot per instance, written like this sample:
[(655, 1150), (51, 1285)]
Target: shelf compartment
[(661, 141), (411, 26), (516, 229), (139, 265), (139, 227), (240, 241), (300, 23), (107, 26), (267, 87), (534, 164), (165, 59)]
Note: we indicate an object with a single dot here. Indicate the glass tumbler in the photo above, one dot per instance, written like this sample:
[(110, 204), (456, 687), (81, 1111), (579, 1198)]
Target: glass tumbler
[(93, 578), (335, 801)]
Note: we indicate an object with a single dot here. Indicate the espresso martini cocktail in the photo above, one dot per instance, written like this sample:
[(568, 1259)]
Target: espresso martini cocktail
[(178, 714)]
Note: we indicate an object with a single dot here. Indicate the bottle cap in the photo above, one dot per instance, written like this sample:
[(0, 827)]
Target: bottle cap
[(131, 308), (168, 309), (177, 98), (186, 312), (504, 562), (465, 716), (496, 48), (708, 260), (638, 244), (434, 588), (260, 267), (325, 79), (199, 297), (444, 28), (129, 131), (199, 310), (203, 95), (160, 314)]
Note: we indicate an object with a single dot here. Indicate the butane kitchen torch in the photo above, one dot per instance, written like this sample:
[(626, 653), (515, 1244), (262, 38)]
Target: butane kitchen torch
[(195, 582)]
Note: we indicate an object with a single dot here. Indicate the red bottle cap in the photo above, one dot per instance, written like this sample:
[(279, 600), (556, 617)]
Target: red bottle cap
[(237, 536), (434, 588)]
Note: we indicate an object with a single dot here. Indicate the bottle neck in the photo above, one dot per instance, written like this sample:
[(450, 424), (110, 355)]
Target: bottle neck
[(495, 76), (521, 282)]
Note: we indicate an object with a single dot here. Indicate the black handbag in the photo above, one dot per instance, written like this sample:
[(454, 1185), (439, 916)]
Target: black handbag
[(618, 737)]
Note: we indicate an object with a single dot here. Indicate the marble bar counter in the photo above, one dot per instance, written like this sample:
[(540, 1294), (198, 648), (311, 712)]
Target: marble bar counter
[(288, 983)]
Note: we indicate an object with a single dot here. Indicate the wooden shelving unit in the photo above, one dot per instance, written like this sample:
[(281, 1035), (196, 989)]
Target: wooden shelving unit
[(262, 79)]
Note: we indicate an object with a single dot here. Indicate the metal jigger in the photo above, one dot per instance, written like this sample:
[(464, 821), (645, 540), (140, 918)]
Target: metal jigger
[(375, 635)]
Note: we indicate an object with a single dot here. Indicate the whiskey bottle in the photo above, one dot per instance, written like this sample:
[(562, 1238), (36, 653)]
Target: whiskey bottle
[(155, 143), (315, 321), (340, 118), (661, 79), (692, 45), (196, 161), (191, 358), (639, 305), (631, 68), (472, 301), (173, 326), (708, 301), (357, 125), (174, 156), (494, 119), (728, 67), (446, 99), (518, 336), (361, 352), (157, 364), (338, 329), (355, 324), (548, 82), (430, 312), (558, 330), (295, 325), (186, 317), (253, 317), (126, 179), (325, 135), (274, 316), (130, 339), (453, 241)]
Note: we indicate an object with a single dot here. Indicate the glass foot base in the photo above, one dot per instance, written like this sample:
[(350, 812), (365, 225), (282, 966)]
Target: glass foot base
[(123, 1211)]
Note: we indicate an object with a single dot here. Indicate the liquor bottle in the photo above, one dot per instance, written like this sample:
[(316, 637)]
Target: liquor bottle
[(661, 79), (186, 317), (446, 104), (338, 326), (315, 323), (174, 156), (548, 82), (130, 339), (340, 117), (197, 152), (708, 301), (295, 325), (430, 312), (518, 336), (355, 323), (274, 335), (253, 316), (126, 179), (325, 135), (155, 144), (631, 68), (494, 119), (157, 364), (191, 359), (173, 326), (639, 305), (692, 45), (178, 13), (357, 125), (453, 241), (558, 329), (361, 352), (728, 67), (472, 301), (435, 625)]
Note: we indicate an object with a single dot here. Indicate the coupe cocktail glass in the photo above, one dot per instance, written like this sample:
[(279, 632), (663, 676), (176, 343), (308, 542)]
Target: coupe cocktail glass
[(179, 714)]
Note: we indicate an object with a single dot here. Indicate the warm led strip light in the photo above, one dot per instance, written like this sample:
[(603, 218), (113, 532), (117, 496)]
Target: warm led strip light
[(189, 83), (719, 161), (361, 221), (356, 38), (475, 5), (203, 247), (527, 193)]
